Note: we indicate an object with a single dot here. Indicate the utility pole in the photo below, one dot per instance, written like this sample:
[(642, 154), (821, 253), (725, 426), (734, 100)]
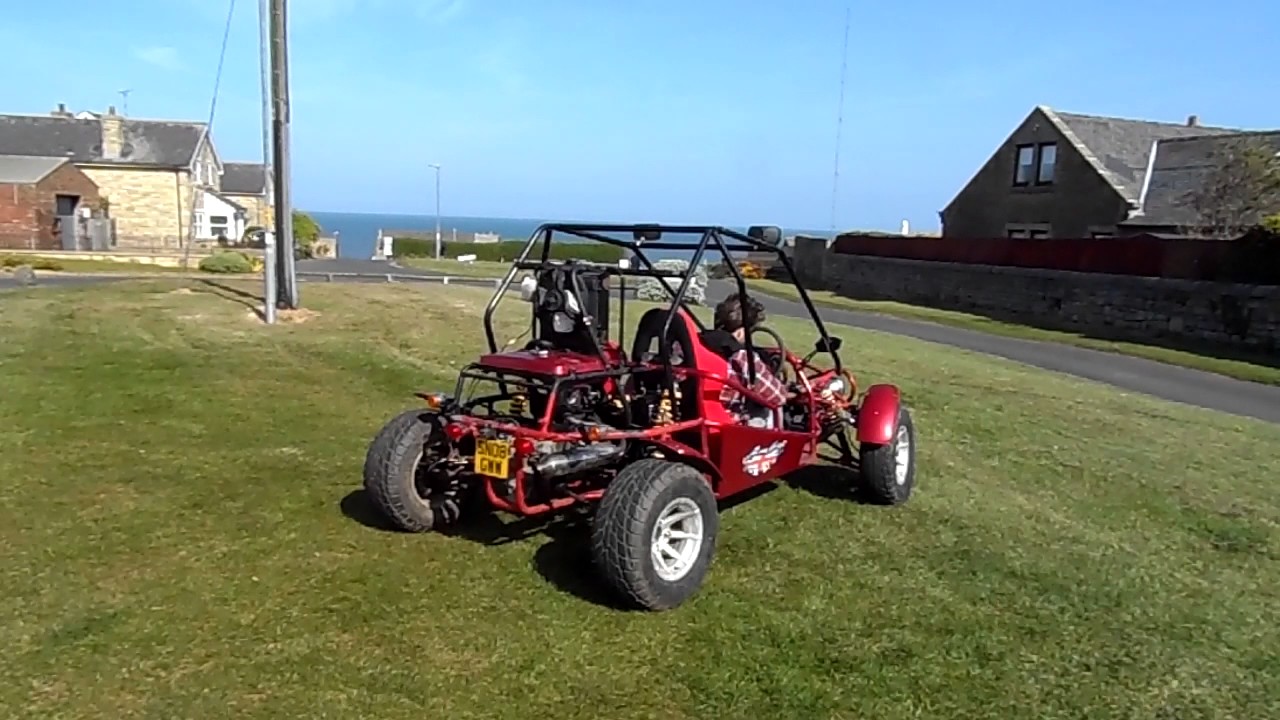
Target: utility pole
[(288, 278), (436, 166), (124, 100)]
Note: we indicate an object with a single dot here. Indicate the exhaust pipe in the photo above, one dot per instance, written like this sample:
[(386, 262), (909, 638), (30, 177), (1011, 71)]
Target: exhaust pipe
[(579, 459)]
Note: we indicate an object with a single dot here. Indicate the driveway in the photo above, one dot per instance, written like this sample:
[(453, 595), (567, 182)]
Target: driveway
[(1169, 382)]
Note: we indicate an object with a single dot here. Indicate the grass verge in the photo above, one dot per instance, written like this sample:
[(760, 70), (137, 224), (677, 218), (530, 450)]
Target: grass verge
[(478, 268), (181, 536), (1238, 369)]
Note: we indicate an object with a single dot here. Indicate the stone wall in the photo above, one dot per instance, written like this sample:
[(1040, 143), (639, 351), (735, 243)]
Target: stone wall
[(1110, 306), (152, 208)]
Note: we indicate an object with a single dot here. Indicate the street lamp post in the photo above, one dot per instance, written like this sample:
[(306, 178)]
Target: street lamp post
[(436, 167)]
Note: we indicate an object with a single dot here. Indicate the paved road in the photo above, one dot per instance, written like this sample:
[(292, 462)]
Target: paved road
[(1170, 382)]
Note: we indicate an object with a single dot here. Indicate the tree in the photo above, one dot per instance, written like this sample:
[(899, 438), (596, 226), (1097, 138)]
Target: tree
[(1271, 224), (1241, 187), (305, 233)]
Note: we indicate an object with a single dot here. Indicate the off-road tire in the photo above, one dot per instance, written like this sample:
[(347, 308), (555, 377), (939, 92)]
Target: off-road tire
[(623, 526), (878, 465), (390, 468)]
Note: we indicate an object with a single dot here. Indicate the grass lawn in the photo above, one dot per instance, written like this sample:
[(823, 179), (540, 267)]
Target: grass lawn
[(1232, 368), (181, 537), (479, 268)]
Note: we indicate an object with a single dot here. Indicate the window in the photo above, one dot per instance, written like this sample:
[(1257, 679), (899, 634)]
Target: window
[(1037, 234), (66, 204), (1026, 165), (1047, 163), (1035, 161), (218, 224), (1017, 233)]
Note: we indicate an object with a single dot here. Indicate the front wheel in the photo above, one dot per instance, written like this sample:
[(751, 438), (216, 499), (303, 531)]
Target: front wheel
[(654, 533), (888, 472)]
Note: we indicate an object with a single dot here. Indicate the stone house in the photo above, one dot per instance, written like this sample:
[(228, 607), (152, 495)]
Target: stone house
[(247, 185), (160, 179), (42, 202), (1181, 166), (1064, 175)]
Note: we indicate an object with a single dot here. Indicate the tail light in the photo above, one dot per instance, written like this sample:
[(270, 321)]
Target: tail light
[(524, 446), (454, 431)]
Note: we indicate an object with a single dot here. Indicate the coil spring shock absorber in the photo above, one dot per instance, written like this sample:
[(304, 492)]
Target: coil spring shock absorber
[(519, 404), (662, 416)]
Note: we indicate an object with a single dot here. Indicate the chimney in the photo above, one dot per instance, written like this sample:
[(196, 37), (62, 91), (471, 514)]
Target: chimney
[(112, 134), (61, 111), (1193, 121)]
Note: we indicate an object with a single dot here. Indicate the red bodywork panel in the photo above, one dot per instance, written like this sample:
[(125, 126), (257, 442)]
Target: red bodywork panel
[(878, 414), (553, 363), (713, 411)]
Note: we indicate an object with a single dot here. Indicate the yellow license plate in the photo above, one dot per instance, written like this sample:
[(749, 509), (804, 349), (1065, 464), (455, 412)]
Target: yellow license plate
[(493, 457)]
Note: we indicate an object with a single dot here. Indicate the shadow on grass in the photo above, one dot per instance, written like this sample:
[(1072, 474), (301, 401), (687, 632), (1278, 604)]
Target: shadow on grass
[(565, 561), (829, 481), (234, 294)]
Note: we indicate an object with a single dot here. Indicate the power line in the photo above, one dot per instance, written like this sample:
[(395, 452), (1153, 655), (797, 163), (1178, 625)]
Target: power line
[(204, 132), (835, 176)]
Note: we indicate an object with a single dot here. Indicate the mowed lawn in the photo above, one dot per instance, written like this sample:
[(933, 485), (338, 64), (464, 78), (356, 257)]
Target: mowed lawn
[(182, 536)]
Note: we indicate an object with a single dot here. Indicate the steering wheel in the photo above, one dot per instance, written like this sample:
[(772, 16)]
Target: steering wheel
[(776, 360)]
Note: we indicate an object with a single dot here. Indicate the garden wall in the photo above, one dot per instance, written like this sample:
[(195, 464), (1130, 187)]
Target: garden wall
[(1104, 305)]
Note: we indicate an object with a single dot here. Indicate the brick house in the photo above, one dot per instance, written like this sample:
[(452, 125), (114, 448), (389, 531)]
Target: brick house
[(160, 178), (247, 185), (39, 196), (1064, 175)]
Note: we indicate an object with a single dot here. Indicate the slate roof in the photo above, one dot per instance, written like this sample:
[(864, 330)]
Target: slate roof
[(153, 143), (243, 178), (1180, 167), (27, 169), (1119, 148)]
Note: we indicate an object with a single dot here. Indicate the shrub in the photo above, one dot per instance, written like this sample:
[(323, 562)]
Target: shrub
[(305, 233), (35, 263), (650, 289), (750, 271), (227, 262)]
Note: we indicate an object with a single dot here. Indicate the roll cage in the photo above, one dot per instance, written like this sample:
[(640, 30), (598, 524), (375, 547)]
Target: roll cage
[(653, 236)]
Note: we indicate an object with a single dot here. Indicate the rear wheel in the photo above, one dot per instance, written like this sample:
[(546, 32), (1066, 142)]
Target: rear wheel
[(888, 472), (654, 533), (403, 477)]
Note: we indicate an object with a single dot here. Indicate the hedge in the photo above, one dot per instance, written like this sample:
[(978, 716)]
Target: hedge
[(506, 250)]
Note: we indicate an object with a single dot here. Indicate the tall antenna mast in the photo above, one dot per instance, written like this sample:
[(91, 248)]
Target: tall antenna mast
[(835, 175), (124, 98)]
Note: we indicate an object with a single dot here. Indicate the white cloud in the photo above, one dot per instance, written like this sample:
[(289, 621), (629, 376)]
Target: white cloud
[(163, 57)]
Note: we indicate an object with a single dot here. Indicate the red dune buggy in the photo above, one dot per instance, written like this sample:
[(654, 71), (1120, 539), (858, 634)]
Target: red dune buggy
[(639, 431)]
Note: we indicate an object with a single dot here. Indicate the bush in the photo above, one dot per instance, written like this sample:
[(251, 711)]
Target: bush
[(505, 251), (227, 262), (35, 263), (305, 233), (751, 271), (650, 289)]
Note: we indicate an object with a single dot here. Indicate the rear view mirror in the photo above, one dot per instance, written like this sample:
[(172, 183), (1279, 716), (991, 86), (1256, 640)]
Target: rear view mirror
[(770, 234), (829, 344)]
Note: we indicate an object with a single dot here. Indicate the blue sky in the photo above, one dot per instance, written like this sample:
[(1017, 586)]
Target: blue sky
[(693, 111)]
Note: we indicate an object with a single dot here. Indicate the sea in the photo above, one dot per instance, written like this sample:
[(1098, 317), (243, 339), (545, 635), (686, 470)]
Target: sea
[(357, 233)]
